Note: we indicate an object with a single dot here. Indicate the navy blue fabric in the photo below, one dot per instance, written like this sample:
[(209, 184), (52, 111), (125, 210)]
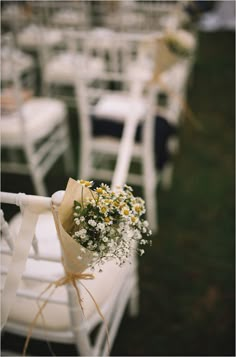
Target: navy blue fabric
[(196, 8), (163, 131)]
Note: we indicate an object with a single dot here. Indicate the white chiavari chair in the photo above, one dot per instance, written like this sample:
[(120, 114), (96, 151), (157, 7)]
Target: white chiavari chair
[(34, 130), (106, 101), (57, 65), (113, 288), (70, 14), (24, 64)]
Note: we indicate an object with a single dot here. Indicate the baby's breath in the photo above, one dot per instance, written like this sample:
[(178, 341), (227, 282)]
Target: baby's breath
[(109, 222)]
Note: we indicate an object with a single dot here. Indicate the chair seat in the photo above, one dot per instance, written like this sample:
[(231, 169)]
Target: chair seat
[(41, 115), (60, 68), (119, 107), (57, 316), (31, 37)]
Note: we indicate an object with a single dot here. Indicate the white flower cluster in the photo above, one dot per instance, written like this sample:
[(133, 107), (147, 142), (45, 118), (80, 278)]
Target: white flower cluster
[(181, 42), (109, 223)]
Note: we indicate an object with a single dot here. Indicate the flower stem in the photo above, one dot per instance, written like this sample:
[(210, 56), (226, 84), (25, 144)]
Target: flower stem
[(82, 197)]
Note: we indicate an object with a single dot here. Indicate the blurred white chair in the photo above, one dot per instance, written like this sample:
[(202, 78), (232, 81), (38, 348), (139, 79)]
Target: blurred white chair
[(23, 63), (115, 97), (143, 16), (15, 15), (70, 14), (174, 84), (34, 126), (31, 37), (63, 320), (57, 66), (169, 76)]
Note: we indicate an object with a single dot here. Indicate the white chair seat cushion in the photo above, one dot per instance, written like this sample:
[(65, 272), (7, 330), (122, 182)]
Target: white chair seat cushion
[(57, 316), (32, 36), (119, 107), (40, 115), (60, 69)]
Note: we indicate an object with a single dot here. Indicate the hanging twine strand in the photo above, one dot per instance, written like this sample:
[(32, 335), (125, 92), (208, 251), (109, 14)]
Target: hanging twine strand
[(69, 278)]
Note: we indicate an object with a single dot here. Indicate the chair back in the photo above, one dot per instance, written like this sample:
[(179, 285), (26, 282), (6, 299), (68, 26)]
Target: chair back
[(117, 54), (31, 263), (17, 77)]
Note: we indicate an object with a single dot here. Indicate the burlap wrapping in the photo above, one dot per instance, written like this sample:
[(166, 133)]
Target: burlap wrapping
[(74, 267), (164, 58), (64, 223)]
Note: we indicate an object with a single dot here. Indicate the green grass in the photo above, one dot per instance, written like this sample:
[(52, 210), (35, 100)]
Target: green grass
[(187, 278)]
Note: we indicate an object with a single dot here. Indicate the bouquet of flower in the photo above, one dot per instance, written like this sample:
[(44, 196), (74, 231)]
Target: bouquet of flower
[(181, 42), (97, 225)]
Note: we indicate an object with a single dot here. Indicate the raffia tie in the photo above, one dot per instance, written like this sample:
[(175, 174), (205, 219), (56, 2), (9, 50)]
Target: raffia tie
[(69, 278)]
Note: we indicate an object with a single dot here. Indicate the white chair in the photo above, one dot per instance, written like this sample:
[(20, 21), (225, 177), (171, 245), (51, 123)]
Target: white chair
[(173, 83), (169, 76), (30, 37), (24, 64), (63, 321), (32, 125), (71, 14), (57, 66), (98, 106), (143, 16)]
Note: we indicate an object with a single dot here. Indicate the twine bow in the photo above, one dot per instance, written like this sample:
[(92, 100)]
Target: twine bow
[(69, 278)]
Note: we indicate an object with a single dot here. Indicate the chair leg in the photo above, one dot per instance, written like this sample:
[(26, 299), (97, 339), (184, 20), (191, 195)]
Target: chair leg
[(85, 163), (36, 176), (68, 155), (134, 297), (46, 89), (151, 202), (38, 182), (167, 176)]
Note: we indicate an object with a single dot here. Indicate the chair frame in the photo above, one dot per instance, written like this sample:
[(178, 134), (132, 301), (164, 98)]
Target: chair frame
[(40, 154), (90, 146), (78, 333)]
